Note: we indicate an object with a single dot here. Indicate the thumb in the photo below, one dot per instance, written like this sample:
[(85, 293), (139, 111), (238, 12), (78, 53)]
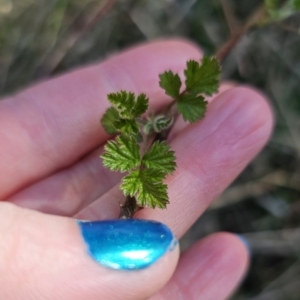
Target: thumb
[(50, 257)]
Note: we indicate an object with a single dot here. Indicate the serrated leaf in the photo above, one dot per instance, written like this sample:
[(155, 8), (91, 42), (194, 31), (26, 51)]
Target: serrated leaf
[(204, 78), (123, 101), (121, 118), (109, 120), (160, 157), (141, 105), (128, 106), (147, 187), (123, 154), (192, 107), (171, 83), (127, 126)]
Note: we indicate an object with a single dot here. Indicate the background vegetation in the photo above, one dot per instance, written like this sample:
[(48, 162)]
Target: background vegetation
[(41, 38)]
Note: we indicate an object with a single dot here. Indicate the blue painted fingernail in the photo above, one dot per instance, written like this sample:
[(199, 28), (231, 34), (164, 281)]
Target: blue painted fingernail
[(127, 244), (245, 242)]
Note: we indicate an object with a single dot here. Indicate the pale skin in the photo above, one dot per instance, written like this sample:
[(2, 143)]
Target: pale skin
[(50, 172)]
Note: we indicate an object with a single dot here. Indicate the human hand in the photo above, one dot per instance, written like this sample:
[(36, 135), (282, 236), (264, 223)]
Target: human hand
[(49, 160)]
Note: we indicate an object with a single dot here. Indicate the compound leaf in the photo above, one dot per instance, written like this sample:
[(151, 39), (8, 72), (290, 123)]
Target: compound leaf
[(128, 106), (123, 154), (204, 78), (123, 101), (127, 126), (160, 157), (147, 187), (192, 107), (171, 83), (141, 105), (110, 121)]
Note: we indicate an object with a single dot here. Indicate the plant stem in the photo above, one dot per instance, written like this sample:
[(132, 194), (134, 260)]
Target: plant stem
[(253, 20), (232, 21), (129, 208)]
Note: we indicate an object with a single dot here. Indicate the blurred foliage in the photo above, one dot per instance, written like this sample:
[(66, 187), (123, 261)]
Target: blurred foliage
[(39, 39), (280, 10)]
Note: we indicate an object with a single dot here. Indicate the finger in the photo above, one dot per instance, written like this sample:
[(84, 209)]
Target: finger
[(52, 125), (180, 124), (210, 154), (210, 270), (225, 86), (70, 190), (66, 192), (49, 257)]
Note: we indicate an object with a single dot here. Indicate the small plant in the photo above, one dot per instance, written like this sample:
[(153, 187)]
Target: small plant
[(140, 148)]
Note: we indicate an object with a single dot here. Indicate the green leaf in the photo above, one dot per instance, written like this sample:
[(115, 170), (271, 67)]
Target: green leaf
[(279, 10), (204, 78), (160, 157), (127, 126), (121, 118), (141, 105), (147, 187), (123, 101), (171, 83), (128, 106), (123, 154), (192, 107), (297, 4), (110, 120)]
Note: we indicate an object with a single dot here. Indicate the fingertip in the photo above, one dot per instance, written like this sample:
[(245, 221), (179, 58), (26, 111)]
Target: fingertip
[(229, 246), (48, 250), (246, 243), (224, 262), (234, 247), (219, 260), (233, 255), (127, 244), (248, 113), (258, 102), (139, 281), (238, 254)]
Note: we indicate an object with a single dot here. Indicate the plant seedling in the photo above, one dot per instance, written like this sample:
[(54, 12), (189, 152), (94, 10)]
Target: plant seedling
[(140, 147)]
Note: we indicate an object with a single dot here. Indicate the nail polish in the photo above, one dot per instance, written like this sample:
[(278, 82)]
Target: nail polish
[(245, 242), (127, 244)]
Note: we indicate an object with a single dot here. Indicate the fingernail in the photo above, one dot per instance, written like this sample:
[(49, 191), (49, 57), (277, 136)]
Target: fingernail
[(245, 242), (127, 244)]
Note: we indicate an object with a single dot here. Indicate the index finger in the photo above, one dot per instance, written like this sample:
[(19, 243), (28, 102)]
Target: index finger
[(50, 126)]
